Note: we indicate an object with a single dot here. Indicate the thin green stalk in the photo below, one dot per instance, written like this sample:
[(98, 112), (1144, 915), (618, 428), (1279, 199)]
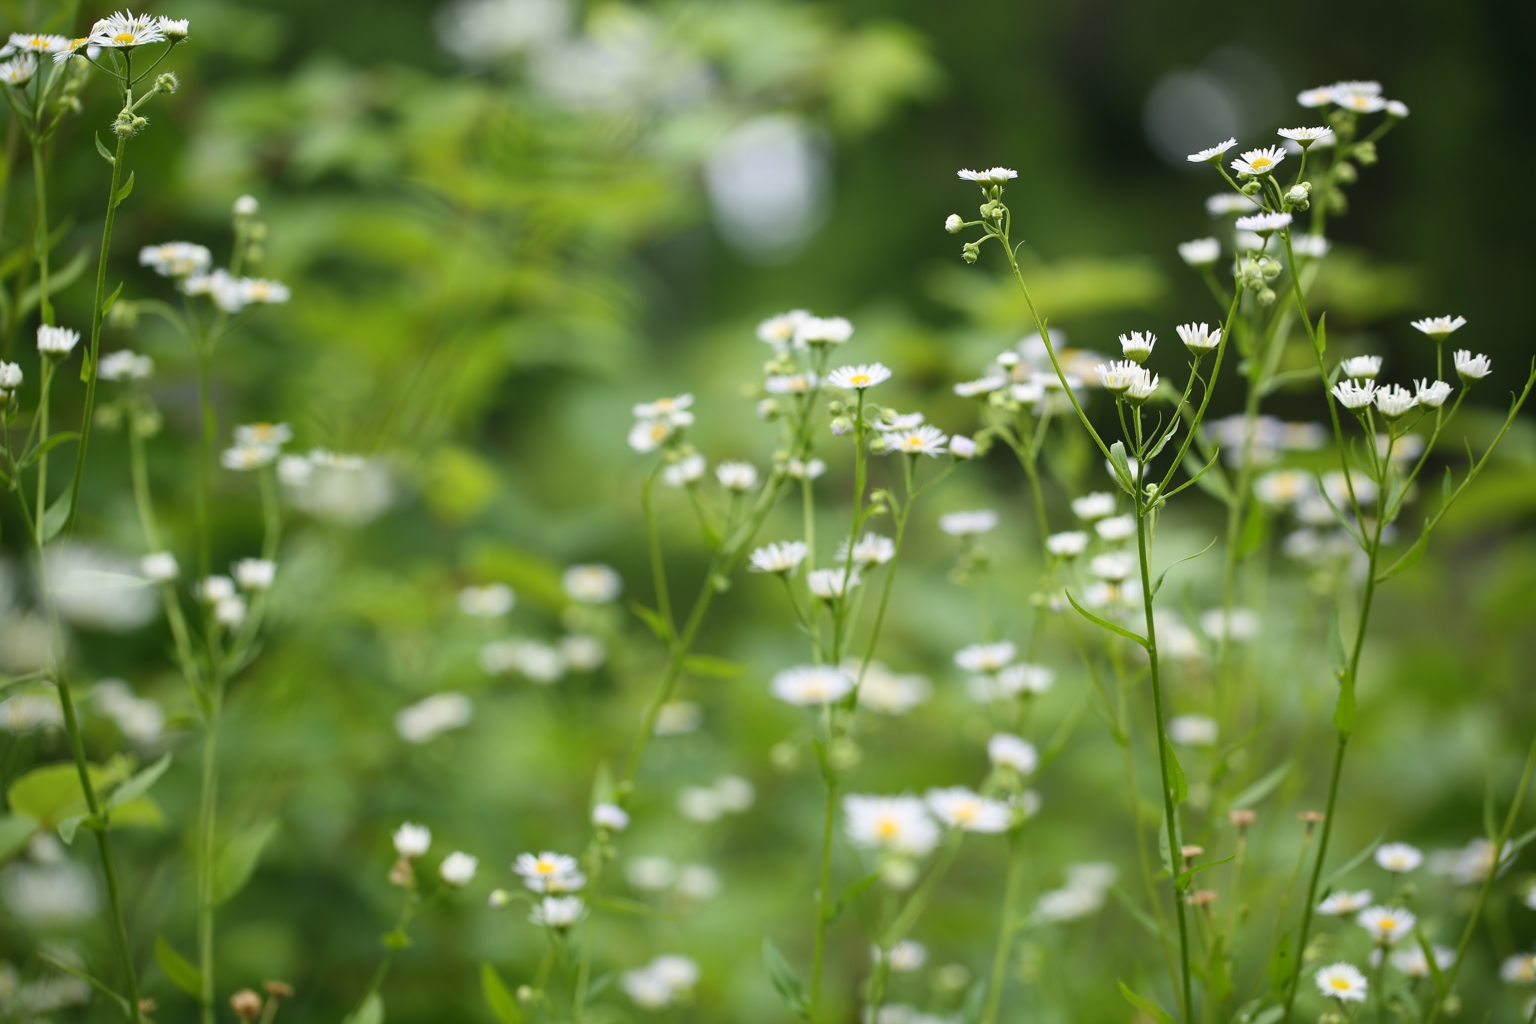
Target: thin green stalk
[(44, 302), (1005, 927), (207, 819), (1482, 894), (823, 885), (48, 368), (584, 966)]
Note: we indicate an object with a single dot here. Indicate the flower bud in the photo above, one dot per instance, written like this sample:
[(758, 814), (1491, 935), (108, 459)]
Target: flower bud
[(970, 252), (953, 223), (1365, 152), (1267, 297), (246, 1004), (167, 83), (1252, 187), (1344, 172), (841, 425)]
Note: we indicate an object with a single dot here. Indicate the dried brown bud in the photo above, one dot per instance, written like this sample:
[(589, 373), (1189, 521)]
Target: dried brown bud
[(246, 1004), (402, 875), (1201, 897), (280, 989), (1310, 817), (1243, 817), (148, 1006), (1191, 852)]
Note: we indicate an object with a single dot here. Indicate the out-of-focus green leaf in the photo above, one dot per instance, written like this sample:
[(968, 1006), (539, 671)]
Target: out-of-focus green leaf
[(501, 1001), (236, 861), (177, 969)]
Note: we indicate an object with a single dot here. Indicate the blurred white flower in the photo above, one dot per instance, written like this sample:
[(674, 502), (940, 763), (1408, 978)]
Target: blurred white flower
[(1067, 544), (872, 549), (1439, 327), (959, 807), (889, 693), (582, 652), (767, 182), (1192, 730), (558, 912), (986, 657), (1093, 506), (1343, 982), (254, 573), (412, 840), (736, 476), (611, 817), (1008, 751), (661, 982), (965, 524), (678, 717), (828, 584), (1243, 624), (901, 824), (428, 719), (458, 869), (904, 957), (1116, 529), (481, 31), (31, 711), (100, 590), (1340, 903), (697, 882), (48, 896), (650, 874), (348, 490), (685, 471), (782, 557), (125, 365), (1399, 857), (592, 584), (159, 566), (1386, 924), (549, 872), (806, 685), (140, 719)]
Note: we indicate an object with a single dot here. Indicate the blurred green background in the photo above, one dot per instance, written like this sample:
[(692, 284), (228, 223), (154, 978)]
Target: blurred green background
[(504, 222)]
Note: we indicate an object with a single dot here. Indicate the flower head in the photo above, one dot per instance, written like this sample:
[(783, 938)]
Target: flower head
[(968, 524), (986, 657), (1470, 367), (1386, 924), (1143, 386), (1432, 395), (176, 259), (808, 685), (1192, 730), (458, 869), (10, 378), (1199, 338), (1394, 400), (591, 584), (126, 30), (1343, 982), (1112, 568), (1410, 960), (125, 365), (491, 601), (1399, 857), (1022, 677), (38, 43), (1354, 395), (1008, 751), (1256, 162), (961, 808), (1519, 969), (819, 330), (1094, 505), (1137, 346), (1263, 223), (781, 558), (871, 549), (611, 817), (829, 584), (254, 573), (176, 29), (1304, 136), (159, 566), (243, 457), (779, 331), (558, 912), (1212, 153), (922, 440), (990, 176), (736, 476), (56, 341), (898, 823), (982, 386), (857, 378), (549, 872), (412, 840), (19, 70), (1341, 902), (1361, 367), (1118, 375), (685, 471), (1200, 252), (1067, 544)]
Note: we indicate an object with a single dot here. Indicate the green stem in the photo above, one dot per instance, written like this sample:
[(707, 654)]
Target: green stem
[(93, 356), (45, 305), (1005, 927), (207, 818), (823, 886)]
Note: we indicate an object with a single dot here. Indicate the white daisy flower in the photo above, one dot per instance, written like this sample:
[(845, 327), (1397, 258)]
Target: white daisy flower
[(1263, 223), (19, 70), (1361, 103), (736, 476), (1137, 346), (923, 440), (828, 584), (1067, 544), (1117, 375), (807, 685), (1304, 136), (1519, 969), (10, 377), (888, 693), (673, 410), (40, 43), (959, 807), (872, 549), (1471, 367), (1023, 677), (1386, 924), (1343, 982), (176, 259), (891, 420), (1008, 751), (962, 447), (648, 435), (685, 471), (1213, 153), (125, 365), (1394, 400), (1116, 529), (582, 652), (795, 469), (697, 882), (159, 567), (428, 719), (412, 840), (177, 29), (782, 557), (790, 384), (491, 601), (1112, 568), (1257, 162), (458, 869), (990, 176), (273, 434), (126, 30), (1399, 857), (1432, 395), (558, 912), (986, 657), (1319, 97), (982, 386), (1313, 246), (1223, 203), (898, 823), (1410, 960), (1341, 903), (1201, 252), (816, 330), (591, 584), (1192, 730), (1095, 505), (1361, 367), (904, 957), (1354, 395), (537, 870), (1283, 487), (967, 524), (858, 378), (1028, 392), (230, 612), (254, 573), (779, 331), (1198, 337), (56, 341)]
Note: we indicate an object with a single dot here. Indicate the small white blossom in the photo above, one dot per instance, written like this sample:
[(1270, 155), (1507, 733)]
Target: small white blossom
[(966, 524), (889, 693), (684, 471), (1343, 982), (858, 378), (898, 823), (243, 458), (904, 957), (1397, 109), (923, 440), (829, 584), (1263, 223), (1305, 136), (1199, 338), (458, 869), (962, 447), (412, 840), (1386, 924), (1399, 857), (779, 331), (245, 206), (176, 259), (215, 589), (491, 601), (1116, 529), (1394, 400), (953, 223), (1353, 395), (549, 872), (159, 566), (1410, 960), (10, 378), (1095, 505), (1023, 677), (1200, 252), (1519, 969), (1137, 345), (558, 912), (1432, 395), (1361, 367), (230, 612), (1067, 544), (582, 652), (1112, 568), (1008, 751), (1212, 153), (872, 549), (125, 365), (1224, 203), (959, 807), (1341, 903), (591, 584), (817, 330), (1118, 375), (736, 476), (1192, 730), (254, 573), (808, 685), (1439, 327), (56, 341), (1471, 367), (1314, 246), (429, 718), (782, 557), (981, 387), (123, 31), (795, 469), (986, 657), (990, 176)]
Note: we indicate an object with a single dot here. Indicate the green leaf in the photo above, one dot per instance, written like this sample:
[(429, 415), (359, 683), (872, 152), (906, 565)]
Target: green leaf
[(56, 516), (106, 154), (1344, 710), (853, 892), (1085, 613), (1262, 788), (124, 192), (1354, 861), (1320, 339), (652, 619), (177, 969), (47, 794), (501, 1001), (711, 667), (47, 446), (1158, 583), (1123, 475), (1183, 879), (138, 785), (15, 830), (370, 1012), (1146, 1006), (1176, 780), (784, 981), (1213, 484), (236, 862), (75, 972), (1281, 962), (70, 825), (19, 683)]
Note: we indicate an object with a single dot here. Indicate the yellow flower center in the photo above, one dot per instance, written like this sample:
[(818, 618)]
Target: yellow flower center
[(544, 867), (965, 812), (1260, 163), (1339, 984), (659, 431), (39, 42), (1387, 924), (859, 378), (887, 829), (125, 38)]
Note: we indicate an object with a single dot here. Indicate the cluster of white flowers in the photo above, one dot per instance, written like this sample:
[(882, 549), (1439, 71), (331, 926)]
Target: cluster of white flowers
[(412, 841), (729, 794), (660, 422), (428, 719), (256, 445), (140, 719), (655, 874), (1087, 885), (540, 662), (665, 980), (887, 692)]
